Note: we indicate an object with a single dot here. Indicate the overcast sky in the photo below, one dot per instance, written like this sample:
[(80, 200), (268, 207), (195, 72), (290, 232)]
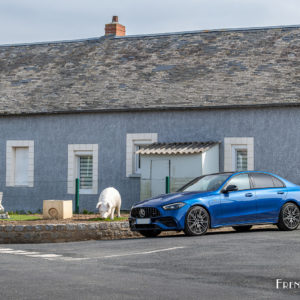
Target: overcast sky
[(47, 20)]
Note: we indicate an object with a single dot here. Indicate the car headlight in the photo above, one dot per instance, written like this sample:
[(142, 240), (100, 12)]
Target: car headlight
[(173, 206)]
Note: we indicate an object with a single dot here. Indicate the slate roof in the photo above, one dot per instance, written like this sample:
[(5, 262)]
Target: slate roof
[(176, 148), (203, 69)]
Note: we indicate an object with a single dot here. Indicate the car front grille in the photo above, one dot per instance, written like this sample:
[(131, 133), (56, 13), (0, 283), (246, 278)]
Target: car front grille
[(145, 212)]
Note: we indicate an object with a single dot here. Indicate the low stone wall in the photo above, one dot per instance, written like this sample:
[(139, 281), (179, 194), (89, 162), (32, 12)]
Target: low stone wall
[(71, 232), (53, 233)]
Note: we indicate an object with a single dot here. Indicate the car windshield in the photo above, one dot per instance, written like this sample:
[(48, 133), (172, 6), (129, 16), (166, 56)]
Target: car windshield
[(205, 183)]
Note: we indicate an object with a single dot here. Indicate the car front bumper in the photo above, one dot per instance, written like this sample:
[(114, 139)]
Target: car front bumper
[(160, 223), (167, 220)]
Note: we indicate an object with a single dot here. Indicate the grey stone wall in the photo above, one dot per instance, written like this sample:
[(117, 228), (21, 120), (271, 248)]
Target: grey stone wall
[(55, 233), (275, 130)]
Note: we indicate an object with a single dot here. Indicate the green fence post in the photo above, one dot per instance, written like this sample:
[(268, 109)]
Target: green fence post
[(77, 195), (167, 184)]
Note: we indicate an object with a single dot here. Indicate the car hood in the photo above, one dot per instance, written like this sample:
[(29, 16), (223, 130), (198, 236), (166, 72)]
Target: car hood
[(172, 198)]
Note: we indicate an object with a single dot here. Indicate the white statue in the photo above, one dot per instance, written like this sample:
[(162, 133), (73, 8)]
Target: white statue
[(1, 207), (109, 201)]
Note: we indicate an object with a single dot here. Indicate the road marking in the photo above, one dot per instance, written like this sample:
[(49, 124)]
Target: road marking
[(142, 253), (49, 256), (44, 255), (8, 251), (72, 258), (24, 253)]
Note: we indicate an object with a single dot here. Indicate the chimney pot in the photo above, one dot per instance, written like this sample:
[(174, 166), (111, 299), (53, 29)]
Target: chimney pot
[(115, 19)]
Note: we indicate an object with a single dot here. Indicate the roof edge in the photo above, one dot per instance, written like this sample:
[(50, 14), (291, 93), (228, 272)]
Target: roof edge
[(92, 39), (95, 39), (155, 109), (210, 31)]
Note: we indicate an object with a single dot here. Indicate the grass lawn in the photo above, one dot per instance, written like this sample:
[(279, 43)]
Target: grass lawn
[(14, 217), (36, 217), (108, 220)]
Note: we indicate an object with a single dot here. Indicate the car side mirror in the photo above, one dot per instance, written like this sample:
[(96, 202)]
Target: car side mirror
[(230, 188)]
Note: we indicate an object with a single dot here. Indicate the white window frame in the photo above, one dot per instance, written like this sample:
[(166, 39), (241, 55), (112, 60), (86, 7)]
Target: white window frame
[(74, 151), (133, 140), (11, 160), (230, 146)]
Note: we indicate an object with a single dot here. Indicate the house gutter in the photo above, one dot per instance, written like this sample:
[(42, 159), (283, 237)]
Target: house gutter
[(155, 109)]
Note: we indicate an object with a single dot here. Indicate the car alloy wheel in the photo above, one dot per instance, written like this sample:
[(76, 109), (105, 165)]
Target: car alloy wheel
[(197, 221), (289, 218)]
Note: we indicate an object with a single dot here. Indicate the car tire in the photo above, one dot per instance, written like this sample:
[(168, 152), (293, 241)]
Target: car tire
[(197, 221), (150, 233), (289, 217), (242, 228)]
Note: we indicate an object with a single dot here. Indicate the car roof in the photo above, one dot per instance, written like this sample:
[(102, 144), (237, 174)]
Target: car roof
[(241, 172)]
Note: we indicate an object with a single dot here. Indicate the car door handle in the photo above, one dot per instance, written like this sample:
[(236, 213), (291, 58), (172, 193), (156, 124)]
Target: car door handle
[(280, 192), (248, 194)]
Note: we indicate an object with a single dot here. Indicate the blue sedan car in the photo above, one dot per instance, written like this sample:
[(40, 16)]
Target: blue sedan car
[(239, 200)]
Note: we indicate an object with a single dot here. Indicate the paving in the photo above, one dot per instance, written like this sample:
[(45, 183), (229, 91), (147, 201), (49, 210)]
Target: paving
[(219, 265)]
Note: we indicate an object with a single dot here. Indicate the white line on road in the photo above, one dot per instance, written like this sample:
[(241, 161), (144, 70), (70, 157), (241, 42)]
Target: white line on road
[(49, 256), (142, 253), (71, 258), (44, 255), (35, 254)]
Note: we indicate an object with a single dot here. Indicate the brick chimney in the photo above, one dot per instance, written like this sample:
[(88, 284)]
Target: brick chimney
[(114, 28)]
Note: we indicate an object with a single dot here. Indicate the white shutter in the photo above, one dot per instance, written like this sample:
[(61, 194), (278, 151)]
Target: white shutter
[(21, 166)]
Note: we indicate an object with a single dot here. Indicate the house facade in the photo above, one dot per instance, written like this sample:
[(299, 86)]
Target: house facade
[(83, 109)]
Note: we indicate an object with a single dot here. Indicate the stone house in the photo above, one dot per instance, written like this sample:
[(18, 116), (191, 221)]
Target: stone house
[(85, 108)]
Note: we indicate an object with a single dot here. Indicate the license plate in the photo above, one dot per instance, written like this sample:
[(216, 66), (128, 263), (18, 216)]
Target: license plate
[(143, 221)]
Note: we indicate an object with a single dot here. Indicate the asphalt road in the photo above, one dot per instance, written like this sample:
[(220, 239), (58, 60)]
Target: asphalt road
[(226, 265)]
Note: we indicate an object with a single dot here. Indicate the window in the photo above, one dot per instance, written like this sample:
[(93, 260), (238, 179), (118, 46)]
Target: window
[(240, 158), (133, 143), (19, 163), (83, 164), (205, 183), (277, 182), (261, 181), (85, 171), (238, 154), (137, 160), (241, 181), (21, 166), (137, 157)]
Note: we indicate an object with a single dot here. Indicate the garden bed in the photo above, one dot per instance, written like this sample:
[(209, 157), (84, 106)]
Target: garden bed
[(34, 219)]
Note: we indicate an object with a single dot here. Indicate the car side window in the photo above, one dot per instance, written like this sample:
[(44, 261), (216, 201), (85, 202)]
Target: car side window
[(262, 181), (277, 182), (241, 181)]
